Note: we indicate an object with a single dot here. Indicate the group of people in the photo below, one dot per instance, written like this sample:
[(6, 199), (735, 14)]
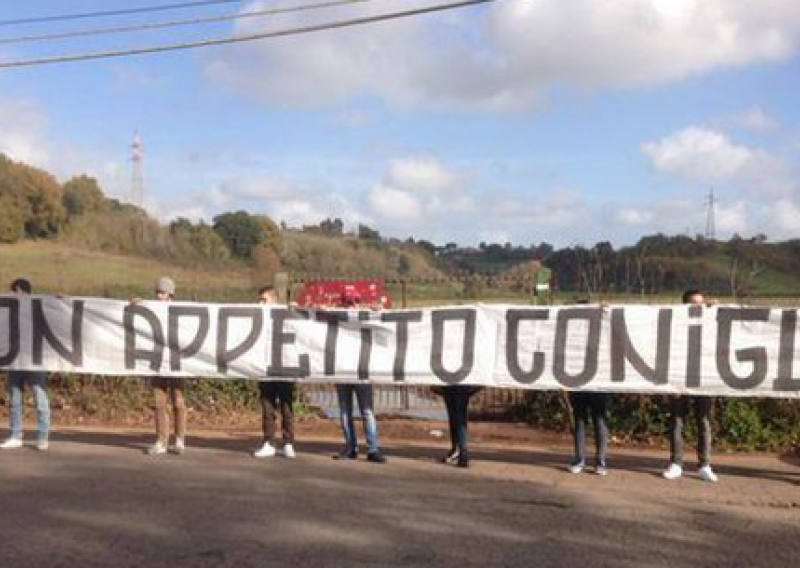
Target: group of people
[(277, 397), (588, 405)]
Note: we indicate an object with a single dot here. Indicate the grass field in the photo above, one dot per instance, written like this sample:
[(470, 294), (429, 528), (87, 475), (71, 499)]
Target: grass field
[(60, 269)]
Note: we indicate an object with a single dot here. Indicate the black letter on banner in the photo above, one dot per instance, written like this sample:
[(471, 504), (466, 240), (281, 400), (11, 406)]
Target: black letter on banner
[(281, 338), (622, 349), (402, 319), (131, 353), (365, 352), (41, 330), (784, 380), (175, 351), (332, 319), (12, 305), (592, 316), (225, 355), (694, 346), (438, 319), (513, 319), (755, 355)]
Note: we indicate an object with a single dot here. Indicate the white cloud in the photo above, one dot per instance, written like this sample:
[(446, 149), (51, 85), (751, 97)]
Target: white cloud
[(783, 219), (394, 204), (634, 217), (414, 189), (421, 175), (708, 156), (505, 56), (553, 209), (25, 137), (756, 120), (732, 218), (23, 132), (699, 154)]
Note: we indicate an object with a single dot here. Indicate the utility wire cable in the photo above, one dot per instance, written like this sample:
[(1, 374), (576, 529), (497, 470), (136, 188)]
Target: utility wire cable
[(240, 39), (177, 23), (119, 12)]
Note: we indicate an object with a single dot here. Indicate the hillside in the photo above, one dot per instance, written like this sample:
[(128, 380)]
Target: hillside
[(57, 267), (66, 269)]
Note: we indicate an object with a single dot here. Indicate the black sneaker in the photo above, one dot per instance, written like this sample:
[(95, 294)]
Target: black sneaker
[(346, 455), (462, 461), (376, 457)]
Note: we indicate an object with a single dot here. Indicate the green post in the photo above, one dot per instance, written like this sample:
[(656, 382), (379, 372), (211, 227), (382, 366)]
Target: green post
[(541, 286)]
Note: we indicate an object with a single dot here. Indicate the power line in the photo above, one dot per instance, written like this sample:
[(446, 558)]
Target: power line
[(119, 12), (239, 39), (177, 23)]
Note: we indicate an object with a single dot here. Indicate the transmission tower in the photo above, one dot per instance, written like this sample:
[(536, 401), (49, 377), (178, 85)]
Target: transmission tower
[(710, 215), (137, 171)]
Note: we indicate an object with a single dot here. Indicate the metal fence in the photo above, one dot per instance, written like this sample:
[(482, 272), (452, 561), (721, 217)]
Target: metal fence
[(416, 401)]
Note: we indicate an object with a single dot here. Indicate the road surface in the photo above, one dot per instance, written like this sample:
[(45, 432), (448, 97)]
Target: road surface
[(95, 499)]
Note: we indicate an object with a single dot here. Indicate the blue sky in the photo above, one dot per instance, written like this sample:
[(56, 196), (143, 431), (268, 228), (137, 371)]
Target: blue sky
[(565, 121)]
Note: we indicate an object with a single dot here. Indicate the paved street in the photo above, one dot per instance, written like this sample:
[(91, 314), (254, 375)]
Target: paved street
[(96, 500)]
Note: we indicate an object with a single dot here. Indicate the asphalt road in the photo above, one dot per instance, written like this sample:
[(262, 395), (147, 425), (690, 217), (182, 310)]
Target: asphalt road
[(95, 500)]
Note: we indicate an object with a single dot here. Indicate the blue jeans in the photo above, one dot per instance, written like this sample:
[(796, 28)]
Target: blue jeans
[(363, 394), (16, 387)]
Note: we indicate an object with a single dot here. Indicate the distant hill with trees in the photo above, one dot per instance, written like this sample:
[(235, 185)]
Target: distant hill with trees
[(77, 214)]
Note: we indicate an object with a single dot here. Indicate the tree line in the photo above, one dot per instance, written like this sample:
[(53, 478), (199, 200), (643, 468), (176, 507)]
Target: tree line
[(36, 206)]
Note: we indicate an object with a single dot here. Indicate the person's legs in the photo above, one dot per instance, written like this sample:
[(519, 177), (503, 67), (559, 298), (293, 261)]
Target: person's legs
[(580, 415), (160, 395), (16, 386), (703, 406), (286, 392), (38, 381), (460, 409), (178, 389), (449, 403), (599, 408), (365, 405), (460, 420), (269, 402), (344, 393), (679, 409)]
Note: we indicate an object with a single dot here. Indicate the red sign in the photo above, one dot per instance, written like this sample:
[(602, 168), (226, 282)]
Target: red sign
[(344, 293)]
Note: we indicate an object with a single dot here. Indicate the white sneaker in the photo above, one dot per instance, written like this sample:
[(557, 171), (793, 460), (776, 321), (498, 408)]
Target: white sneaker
[(707, 474), (179, 447), (288, 451), (156, 449), (11, 444), (576, 467), (265, 451), (674, 471), (42, 445)]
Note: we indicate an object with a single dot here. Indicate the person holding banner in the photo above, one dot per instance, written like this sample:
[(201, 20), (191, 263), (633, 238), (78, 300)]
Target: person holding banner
[(364, 395), (16, 390), (702, 407), (583, 405), (274, 395), (165, 389), (456, 400)]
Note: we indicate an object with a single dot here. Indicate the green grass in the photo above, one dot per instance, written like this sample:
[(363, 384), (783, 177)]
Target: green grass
[(61, 269)]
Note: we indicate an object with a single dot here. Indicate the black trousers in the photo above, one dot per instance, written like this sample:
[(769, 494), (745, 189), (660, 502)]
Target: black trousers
[(277, 395)]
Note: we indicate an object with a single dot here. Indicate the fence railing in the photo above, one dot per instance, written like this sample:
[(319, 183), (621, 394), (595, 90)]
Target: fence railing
[(416, 401)]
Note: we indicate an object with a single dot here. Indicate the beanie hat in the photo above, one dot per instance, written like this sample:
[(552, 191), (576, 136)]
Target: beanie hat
[(166, 285)]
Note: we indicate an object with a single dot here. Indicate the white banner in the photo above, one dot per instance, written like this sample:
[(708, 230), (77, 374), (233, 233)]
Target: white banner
[(724, 350)]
